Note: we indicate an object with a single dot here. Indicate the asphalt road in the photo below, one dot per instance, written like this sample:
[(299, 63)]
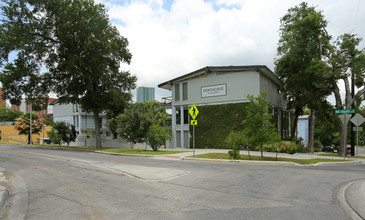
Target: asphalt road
[(53, 184)]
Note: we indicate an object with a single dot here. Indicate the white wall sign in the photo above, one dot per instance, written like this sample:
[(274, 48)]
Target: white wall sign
[(216, 90)]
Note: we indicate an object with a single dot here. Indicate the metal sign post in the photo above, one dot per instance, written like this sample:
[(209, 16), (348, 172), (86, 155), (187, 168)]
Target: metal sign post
[(194, 112), (357, 120), (345, 117)]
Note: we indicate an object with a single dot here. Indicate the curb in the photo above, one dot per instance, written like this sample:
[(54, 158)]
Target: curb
[(336, 163), (252, 162), (4, 193), (129, 155), (349, 204), (355, 197)]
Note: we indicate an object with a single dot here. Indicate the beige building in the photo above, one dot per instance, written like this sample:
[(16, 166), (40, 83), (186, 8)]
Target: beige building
[(220, 85)]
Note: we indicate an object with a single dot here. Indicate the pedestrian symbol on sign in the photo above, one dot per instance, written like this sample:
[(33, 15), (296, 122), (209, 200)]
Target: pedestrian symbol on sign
[(193, 111)]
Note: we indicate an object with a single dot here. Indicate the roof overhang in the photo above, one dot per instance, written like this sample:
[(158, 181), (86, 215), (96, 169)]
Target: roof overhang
[(206, 70)]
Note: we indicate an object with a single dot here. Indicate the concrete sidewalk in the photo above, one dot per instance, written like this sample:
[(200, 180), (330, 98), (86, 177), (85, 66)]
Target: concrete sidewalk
[(187, 156)]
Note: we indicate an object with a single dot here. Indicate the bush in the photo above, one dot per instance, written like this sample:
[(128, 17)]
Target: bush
[(234, 140), (288, 147)]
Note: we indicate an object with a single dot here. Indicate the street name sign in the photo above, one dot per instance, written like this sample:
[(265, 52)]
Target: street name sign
[(357, 128), (345, 111), (357, 120), (193, 111)]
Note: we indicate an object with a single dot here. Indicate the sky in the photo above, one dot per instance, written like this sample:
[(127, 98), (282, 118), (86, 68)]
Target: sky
[(170, 38)]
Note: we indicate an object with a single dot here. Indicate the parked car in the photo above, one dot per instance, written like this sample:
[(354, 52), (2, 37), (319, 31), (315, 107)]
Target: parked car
[(328, 149)]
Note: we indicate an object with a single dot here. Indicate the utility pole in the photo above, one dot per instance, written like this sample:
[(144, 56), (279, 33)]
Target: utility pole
[(352, 132), (30, 123)]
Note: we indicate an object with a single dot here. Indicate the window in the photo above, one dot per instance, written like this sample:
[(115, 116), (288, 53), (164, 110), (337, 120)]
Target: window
[(185, 91), (186, 116), (177, 92)]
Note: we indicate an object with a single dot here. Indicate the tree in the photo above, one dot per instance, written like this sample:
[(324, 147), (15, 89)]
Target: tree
[(347, 61), (134, 124), (8, 114), (22, 124), (77, 44), (157, 135), (48, 120), (303, 41), (112, 125), (258, 128), (62, 131)]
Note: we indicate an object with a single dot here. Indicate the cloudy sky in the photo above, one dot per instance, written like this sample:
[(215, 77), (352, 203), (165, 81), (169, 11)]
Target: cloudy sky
[(169, 38)]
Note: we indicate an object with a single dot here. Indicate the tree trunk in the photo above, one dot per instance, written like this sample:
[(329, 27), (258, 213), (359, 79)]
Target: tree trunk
[(311, 131), (342, 140), (262, 152), (295, 123), (97, 129)]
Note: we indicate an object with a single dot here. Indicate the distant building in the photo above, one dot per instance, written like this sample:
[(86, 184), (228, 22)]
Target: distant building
[(303, 129), (145, 94), (82, 120), (41, 114)]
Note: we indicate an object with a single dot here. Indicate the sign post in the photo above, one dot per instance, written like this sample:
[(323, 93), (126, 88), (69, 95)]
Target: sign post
[(357, 120), (193, 112), (345, 116)]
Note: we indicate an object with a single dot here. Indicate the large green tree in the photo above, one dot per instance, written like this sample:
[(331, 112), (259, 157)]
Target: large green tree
[(347, 64), (258, 129), (75, 42), (303, 41), (136, 123)]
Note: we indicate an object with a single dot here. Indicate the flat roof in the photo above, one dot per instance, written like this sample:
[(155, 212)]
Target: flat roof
[(259, 68)]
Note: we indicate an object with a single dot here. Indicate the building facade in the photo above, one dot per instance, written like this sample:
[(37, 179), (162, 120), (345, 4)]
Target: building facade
[(145, 94), (220, 85), (82, 120)]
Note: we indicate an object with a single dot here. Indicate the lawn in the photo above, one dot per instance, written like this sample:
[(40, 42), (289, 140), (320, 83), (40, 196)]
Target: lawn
[(143, 152), (222, 156), (121, 151)]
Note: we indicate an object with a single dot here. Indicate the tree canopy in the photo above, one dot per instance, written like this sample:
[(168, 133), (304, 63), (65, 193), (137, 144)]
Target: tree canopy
[(76, 44), (144, 122), (22, 124)]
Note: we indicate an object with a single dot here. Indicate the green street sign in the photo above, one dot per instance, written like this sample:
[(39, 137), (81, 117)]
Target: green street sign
[(345, 111)]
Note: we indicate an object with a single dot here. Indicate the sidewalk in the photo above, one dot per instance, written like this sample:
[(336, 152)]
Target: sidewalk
[(187, 156)]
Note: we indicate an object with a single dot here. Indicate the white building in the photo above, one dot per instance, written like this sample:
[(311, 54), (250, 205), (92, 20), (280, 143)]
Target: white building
[(303, 129), (220, 85), (83, 121)]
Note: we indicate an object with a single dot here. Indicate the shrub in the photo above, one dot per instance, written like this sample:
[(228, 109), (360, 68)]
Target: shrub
[(235, 140), (288, 147)]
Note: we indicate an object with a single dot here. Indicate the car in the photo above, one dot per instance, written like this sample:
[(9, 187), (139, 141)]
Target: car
[(328, 148)]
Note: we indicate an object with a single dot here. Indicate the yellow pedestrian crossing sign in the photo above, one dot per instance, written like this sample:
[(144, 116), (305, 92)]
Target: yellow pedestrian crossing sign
[(193, 111), (194, 122)]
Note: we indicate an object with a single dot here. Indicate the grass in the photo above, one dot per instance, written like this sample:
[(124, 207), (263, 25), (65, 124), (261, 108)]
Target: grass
[(144, 152), (336, 155), (223, 156), (122, 151)]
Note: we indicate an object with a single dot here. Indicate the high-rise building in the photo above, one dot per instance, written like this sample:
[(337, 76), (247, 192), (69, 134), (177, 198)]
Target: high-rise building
[(145, 94)]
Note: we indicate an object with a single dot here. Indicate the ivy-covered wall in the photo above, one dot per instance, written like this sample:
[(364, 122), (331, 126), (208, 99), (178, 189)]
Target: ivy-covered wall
[(215, 122)]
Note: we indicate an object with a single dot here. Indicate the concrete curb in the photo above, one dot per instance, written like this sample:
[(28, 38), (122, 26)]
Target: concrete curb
[(4, 193), (352, 200), (252, 162), (337, 163), (355, 197), (129, 155)]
